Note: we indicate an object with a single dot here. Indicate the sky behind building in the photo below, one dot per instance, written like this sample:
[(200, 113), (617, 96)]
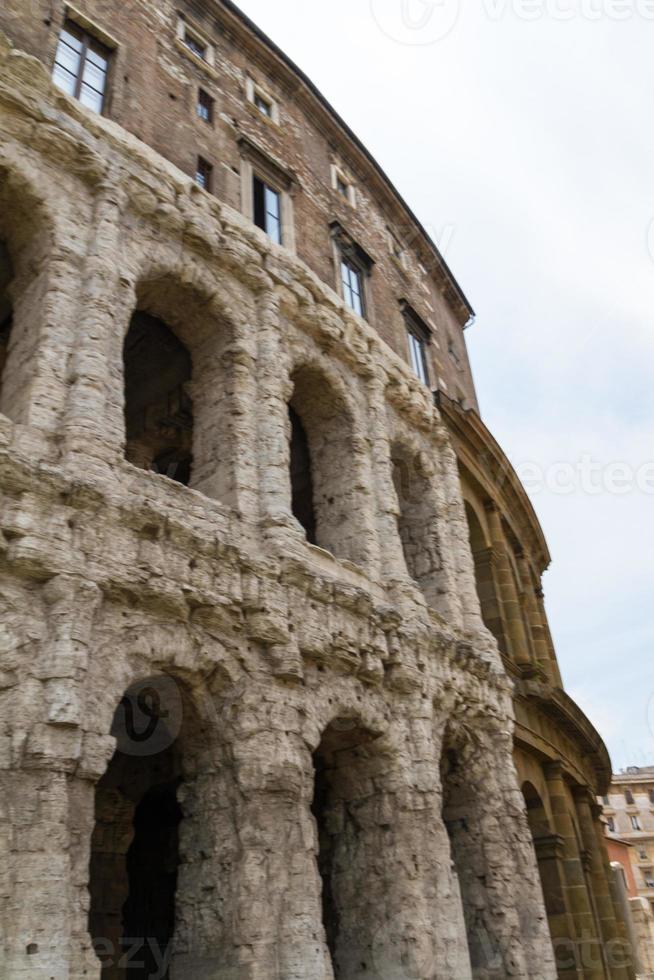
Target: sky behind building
[(520, 134)]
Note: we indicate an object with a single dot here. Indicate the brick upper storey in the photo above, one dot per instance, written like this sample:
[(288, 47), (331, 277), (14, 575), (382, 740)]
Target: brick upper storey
[(264, 118)]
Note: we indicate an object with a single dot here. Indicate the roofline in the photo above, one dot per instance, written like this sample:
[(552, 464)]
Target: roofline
[(277, 51)]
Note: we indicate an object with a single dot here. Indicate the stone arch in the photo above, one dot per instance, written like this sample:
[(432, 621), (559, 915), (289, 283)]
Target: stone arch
[(485, 581), (329, 496), (418, 517), (351, 755), (178, 387), (160, 828), (25, 242)]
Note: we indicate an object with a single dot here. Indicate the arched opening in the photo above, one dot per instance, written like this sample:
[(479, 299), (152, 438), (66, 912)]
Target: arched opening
[(25, 234), (343, 806), (180, 411), (135, 849), (327, 494), (482, 555), (158, 405), (301, 478), (549, 855), (417, 520), (6, 310)]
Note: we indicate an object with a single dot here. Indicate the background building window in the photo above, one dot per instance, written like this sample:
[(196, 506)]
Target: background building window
[(629, 797), (205, 106), (651, 796), (268, 210), (352, 279), (635, 824), (81, 67), (611, 824), (203, 174)]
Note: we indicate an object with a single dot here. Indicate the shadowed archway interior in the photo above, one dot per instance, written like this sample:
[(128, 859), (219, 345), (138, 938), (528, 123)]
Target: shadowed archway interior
[(158, 406), (6, 313), (135, 844)]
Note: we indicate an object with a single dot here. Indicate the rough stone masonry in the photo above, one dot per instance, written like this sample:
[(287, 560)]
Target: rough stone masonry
[(227, 752)]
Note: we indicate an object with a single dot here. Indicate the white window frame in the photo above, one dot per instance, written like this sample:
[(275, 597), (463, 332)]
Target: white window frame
[(353, 267), (252, 90), (339, 175), (249, 171), (184, 28)]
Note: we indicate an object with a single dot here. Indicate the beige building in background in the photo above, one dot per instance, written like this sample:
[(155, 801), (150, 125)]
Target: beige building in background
[(629, 812)]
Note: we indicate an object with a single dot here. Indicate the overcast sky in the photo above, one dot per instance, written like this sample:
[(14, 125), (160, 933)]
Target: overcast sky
[(521, 132)]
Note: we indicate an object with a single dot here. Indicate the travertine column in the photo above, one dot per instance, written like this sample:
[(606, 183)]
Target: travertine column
[(510, 600), (392, 557), (553, 662), (550, 852), (44, 910), (86, 428), (493, 851), (532, 611), (588, 942), (486, 569), (600, 887)]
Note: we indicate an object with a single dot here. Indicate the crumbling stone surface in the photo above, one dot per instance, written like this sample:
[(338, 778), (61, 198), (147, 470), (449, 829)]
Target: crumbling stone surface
[(304, 697)]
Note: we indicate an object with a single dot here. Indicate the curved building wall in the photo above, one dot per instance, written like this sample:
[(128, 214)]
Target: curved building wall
[(241, 611)]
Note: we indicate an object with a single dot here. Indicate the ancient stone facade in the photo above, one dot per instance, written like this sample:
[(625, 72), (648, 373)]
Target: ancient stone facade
[(252, 723)]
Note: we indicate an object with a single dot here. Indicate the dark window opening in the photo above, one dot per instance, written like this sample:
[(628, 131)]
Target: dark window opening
[(342, 188), (204, 174), (352, 280), (268, 209), (263, 105), (194, 44), (6, 312), (205, 106), (629, 797), (158, 406), (81, 67), (301, 479), (651, 796)]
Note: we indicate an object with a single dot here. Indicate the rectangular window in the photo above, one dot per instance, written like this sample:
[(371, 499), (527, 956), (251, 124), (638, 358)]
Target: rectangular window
[(204, 174), (352, 279), (205, 106), (611, 824), (81, 67), (194, 44), (268, 210), (629, 797), (635, 823), (263, 105), (418, 351)]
